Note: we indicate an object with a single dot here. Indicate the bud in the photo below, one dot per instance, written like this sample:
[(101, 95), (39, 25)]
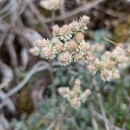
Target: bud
[(35, 51), (87, 92), (72, 95), (85, 47), (115, 75), (91, 57), (78, 57), (101, 65), (59, 47), (107, 53), (40, 43), (77, 88), (77, 82), (65, 58), (79, 37), (75, 103), (56, 30), (63, 91), (84, 20), (65, 30), (74, 26), (111, 64), (91, 68), (46, 52), (106, 75), (71, 45)]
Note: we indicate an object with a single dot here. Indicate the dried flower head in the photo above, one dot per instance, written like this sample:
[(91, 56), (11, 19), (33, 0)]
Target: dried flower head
[(91, 68), (79, 37), (64, 91), (74, 26), (72, 95), (65, 58), (84, 47), (115, 75), (46, 53), (56, 30), (77, 82), (40, 43), (75, 103), (65, 33), (71, 45), (78, 57), (35, 51), (85, 94), (101, 65), (106, 74), (84, 20)]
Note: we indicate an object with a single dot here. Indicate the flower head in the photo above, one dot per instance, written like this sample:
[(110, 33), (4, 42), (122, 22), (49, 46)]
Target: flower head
[(74, 26), (84, 47), (35, 51), (79, 37), (47, 53), (71, 45), (56, 30), (106, 74), (78, 57), (75, 103), (65, 58)]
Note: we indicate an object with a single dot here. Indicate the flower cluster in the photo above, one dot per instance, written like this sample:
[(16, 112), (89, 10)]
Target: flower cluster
[(108, 64), (75, 96), (68, 45)]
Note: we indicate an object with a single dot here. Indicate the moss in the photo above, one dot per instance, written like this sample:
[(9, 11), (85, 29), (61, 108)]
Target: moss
[(121, 32), (24, 101)]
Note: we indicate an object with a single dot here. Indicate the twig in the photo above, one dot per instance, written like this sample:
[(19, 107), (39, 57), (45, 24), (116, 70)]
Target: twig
[(11, 51), (103, 111), (34, 70), (111, 13), (100, 101), (94, 121), (98, 115), (37, 14), (7, 75), (62, 8), (5, 34), (51, 126), (78, 10), (116, 44)]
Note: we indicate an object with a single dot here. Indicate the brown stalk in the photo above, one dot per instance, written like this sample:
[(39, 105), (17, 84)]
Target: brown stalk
[(114, 43)]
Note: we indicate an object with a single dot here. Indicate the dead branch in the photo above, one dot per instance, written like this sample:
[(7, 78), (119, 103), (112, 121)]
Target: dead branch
[(76, 11), (40, 66), (37, 14), (7, 75)]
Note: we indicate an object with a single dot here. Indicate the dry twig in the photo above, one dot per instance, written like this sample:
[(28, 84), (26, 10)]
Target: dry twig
[(78, 10), (36, 68), (116, 44)]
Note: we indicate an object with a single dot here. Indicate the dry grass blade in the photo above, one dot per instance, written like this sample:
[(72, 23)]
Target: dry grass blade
[(114, 43)]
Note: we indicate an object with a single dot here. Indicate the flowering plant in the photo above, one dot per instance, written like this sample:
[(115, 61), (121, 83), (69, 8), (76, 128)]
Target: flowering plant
[(68, 45)]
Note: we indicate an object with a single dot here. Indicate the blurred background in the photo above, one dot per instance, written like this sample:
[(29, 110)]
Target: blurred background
[(28, 84)]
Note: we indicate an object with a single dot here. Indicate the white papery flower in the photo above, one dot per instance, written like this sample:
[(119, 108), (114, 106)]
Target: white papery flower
[(50, 4)]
